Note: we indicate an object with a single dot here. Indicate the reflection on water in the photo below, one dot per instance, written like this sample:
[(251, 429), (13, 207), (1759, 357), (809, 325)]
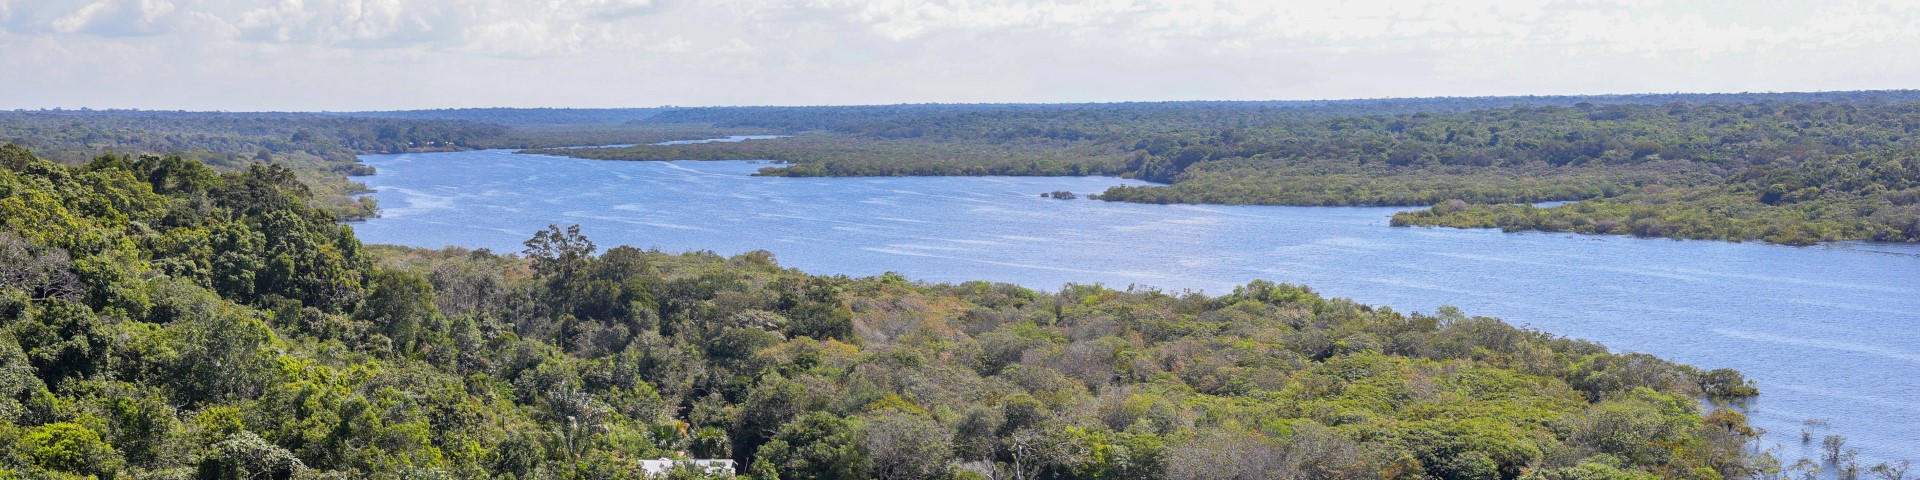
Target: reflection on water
[(1827, 331)]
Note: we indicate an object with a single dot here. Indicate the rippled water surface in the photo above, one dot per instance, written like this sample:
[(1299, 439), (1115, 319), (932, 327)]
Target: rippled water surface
[(1828, 332)]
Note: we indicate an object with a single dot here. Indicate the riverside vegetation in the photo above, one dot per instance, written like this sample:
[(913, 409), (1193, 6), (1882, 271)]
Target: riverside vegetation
[(319, 149), (1783, 168), (163, 319)]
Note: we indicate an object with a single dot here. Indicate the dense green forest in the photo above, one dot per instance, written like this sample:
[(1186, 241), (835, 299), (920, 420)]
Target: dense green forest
[(320, 149), (1787, 168), (163, 319)]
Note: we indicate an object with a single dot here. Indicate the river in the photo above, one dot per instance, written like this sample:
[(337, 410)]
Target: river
[(1824, 330)]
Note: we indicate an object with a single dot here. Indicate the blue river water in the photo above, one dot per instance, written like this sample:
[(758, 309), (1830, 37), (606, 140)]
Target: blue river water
[(1829, 332)]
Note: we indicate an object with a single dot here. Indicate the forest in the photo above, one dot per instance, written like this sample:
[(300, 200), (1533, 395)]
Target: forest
[(520, 117), (160, 318), (319, 148), (1783, 168)]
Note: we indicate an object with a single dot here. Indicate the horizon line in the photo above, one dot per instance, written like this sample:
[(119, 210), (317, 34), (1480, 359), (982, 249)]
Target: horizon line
[(85, 109)]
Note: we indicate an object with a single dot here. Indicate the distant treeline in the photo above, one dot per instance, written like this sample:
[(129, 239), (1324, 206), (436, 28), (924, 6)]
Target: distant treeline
[(73, 132), (319, 148), (522, 117), (1787, 168), (1123, 121)]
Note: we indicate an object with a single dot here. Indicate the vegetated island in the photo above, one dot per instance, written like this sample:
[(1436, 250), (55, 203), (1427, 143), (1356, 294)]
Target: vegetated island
[(160, 318), (1782, 168)]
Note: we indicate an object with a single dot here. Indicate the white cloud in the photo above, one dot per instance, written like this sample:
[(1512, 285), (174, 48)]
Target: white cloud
[(99, 17), (516, 27), (78, 19), (242, 54), (736, 46), (671, 45)]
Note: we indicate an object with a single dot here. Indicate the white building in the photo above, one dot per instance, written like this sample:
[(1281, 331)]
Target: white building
[(709, 465)]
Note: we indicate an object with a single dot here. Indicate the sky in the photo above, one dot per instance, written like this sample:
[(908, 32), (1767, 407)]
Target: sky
[(282, 55)]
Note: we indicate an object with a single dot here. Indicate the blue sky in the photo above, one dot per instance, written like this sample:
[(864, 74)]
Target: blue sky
[(397, 54)]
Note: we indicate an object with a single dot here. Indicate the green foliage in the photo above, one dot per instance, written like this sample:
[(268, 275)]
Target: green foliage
[(190, 323), (906, 445), (817, 446), (401, 306), (247, 456), (1788, 168), (67, 447), (319, 148), (831, 154), (1589, 470)]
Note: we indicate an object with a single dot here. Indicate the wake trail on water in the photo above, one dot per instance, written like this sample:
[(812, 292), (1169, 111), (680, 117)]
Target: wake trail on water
[(1820, 344), (1847, 396)]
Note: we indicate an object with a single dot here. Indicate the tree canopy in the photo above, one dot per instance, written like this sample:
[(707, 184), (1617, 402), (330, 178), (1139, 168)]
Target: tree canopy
[(160, 319)]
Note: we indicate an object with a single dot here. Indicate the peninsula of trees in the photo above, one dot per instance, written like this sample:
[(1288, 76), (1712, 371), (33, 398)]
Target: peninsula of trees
[(1784, 168)]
